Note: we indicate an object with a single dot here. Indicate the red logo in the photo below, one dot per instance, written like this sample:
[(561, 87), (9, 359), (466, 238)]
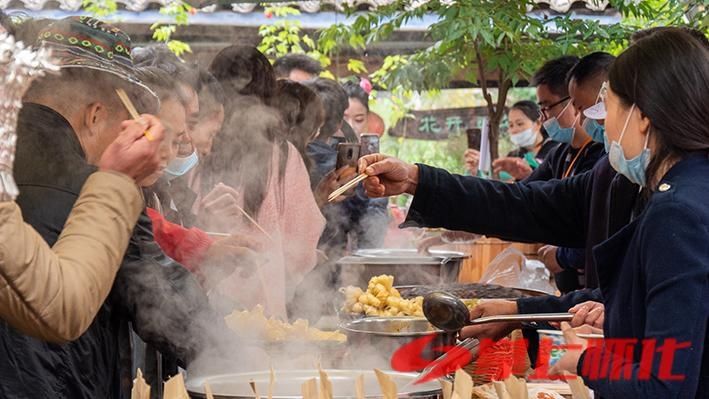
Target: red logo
[(604, 359)]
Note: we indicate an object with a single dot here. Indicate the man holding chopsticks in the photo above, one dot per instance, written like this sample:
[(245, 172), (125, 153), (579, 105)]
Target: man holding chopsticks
[(63, 131)]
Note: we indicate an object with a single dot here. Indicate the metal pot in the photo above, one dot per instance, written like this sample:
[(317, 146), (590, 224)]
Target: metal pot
[(288, 384), (406, 265), (373, 340)]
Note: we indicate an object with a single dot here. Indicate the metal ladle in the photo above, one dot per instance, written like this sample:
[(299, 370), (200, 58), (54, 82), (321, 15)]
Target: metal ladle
[(445, 311), (448, 313)]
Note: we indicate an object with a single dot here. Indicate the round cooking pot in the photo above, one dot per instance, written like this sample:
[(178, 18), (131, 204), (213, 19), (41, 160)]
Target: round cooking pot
[(372, 341), (287, 384)]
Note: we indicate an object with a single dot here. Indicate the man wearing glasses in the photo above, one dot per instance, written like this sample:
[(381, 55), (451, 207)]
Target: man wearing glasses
[(577, 152)]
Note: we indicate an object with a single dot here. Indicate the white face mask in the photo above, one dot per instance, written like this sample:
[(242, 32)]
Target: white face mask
[(526, 138), (179, 166)]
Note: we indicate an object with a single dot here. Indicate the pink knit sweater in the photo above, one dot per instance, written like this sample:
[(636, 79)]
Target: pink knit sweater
[(292, 218)]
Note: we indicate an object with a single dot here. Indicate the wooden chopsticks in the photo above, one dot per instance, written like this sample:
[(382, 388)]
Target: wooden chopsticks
[(346, 187), (131, 109)]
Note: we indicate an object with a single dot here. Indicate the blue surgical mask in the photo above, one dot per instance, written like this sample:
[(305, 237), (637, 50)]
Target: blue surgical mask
[(560, 134), (595, 130), (526, 138), (180, 166), (634, 168)]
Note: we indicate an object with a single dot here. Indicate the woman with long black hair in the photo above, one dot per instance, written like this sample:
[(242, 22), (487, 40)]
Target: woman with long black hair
[(654, 272), (254, 170)]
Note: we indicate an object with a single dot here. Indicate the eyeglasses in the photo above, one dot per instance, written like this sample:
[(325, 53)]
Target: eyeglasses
[(545, 110)]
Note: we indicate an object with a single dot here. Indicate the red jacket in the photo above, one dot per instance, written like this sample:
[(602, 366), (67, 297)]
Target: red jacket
[(186, 246)]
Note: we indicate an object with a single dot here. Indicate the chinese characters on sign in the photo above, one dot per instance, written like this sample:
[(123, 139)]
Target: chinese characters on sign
[(438, 124), (610, 359)]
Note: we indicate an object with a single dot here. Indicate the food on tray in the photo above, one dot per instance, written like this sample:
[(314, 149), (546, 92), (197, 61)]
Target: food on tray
[(255, 324), (381, 299), (470, 302)]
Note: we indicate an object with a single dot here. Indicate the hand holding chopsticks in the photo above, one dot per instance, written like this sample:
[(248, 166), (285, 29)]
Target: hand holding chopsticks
[(388, 176), (352, 183)]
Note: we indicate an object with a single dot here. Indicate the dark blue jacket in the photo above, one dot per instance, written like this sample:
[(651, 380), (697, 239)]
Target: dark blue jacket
[(654, 275), (657, 282), (563, 162)]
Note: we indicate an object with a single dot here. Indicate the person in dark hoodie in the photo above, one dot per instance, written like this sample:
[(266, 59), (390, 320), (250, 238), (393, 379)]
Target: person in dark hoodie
[(59, 144), (653, 272), (580, 83)]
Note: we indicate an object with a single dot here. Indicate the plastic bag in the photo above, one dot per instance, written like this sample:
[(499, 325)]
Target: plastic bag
[(512, 269)]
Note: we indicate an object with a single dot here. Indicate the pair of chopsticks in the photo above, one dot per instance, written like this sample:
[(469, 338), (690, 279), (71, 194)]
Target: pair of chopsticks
[(468, 344), (132, 110), (258, 226), (346, 187)]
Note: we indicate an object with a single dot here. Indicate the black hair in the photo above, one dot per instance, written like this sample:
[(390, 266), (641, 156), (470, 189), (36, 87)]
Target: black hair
[(284, 65), (354, 90), (243, 70), (243, 153), (553, 74), (159, 81), (529, 108), (591, 66), (335, 101), (697, 34), (666, 75), (302, 111), (158, 55), (211, 96)]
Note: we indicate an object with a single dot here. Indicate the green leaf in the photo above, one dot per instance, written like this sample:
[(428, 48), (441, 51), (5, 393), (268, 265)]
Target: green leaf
[(356, 66)]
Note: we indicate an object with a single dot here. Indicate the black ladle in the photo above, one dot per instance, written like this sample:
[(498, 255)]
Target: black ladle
[(448, 313), (445, 311)]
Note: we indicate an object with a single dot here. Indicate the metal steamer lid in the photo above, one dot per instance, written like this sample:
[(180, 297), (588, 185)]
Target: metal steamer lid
[(400, 256)]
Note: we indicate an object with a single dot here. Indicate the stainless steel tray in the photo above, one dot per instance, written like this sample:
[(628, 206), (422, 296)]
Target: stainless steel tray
[(288, 384)]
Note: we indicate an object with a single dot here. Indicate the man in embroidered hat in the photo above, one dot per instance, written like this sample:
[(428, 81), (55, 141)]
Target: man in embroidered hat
[(67, 122)]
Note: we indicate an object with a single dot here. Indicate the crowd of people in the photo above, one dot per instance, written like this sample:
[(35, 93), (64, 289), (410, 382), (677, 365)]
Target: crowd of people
[(234, 167), (639, 216), (133, 235)]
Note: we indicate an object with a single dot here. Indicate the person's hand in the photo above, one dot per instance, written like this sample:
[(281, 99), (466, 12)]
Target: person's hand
[(494, 331), (588, 313), (331, 182), (219, 210), (222, 201), (517, 167), (131, 153), (472, 160), (226, 255), (388, 176), (575, 347), (547, 255)]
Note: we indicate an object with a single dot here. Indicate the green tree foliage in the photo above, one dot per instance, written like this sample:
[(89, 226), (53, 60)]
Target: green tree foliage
[(178, 11), (491, 40)]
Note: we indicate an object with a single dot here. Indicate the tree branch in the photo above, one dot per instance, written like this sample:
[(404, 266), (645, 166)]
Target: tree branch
[(482, 80), (505, 85)]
